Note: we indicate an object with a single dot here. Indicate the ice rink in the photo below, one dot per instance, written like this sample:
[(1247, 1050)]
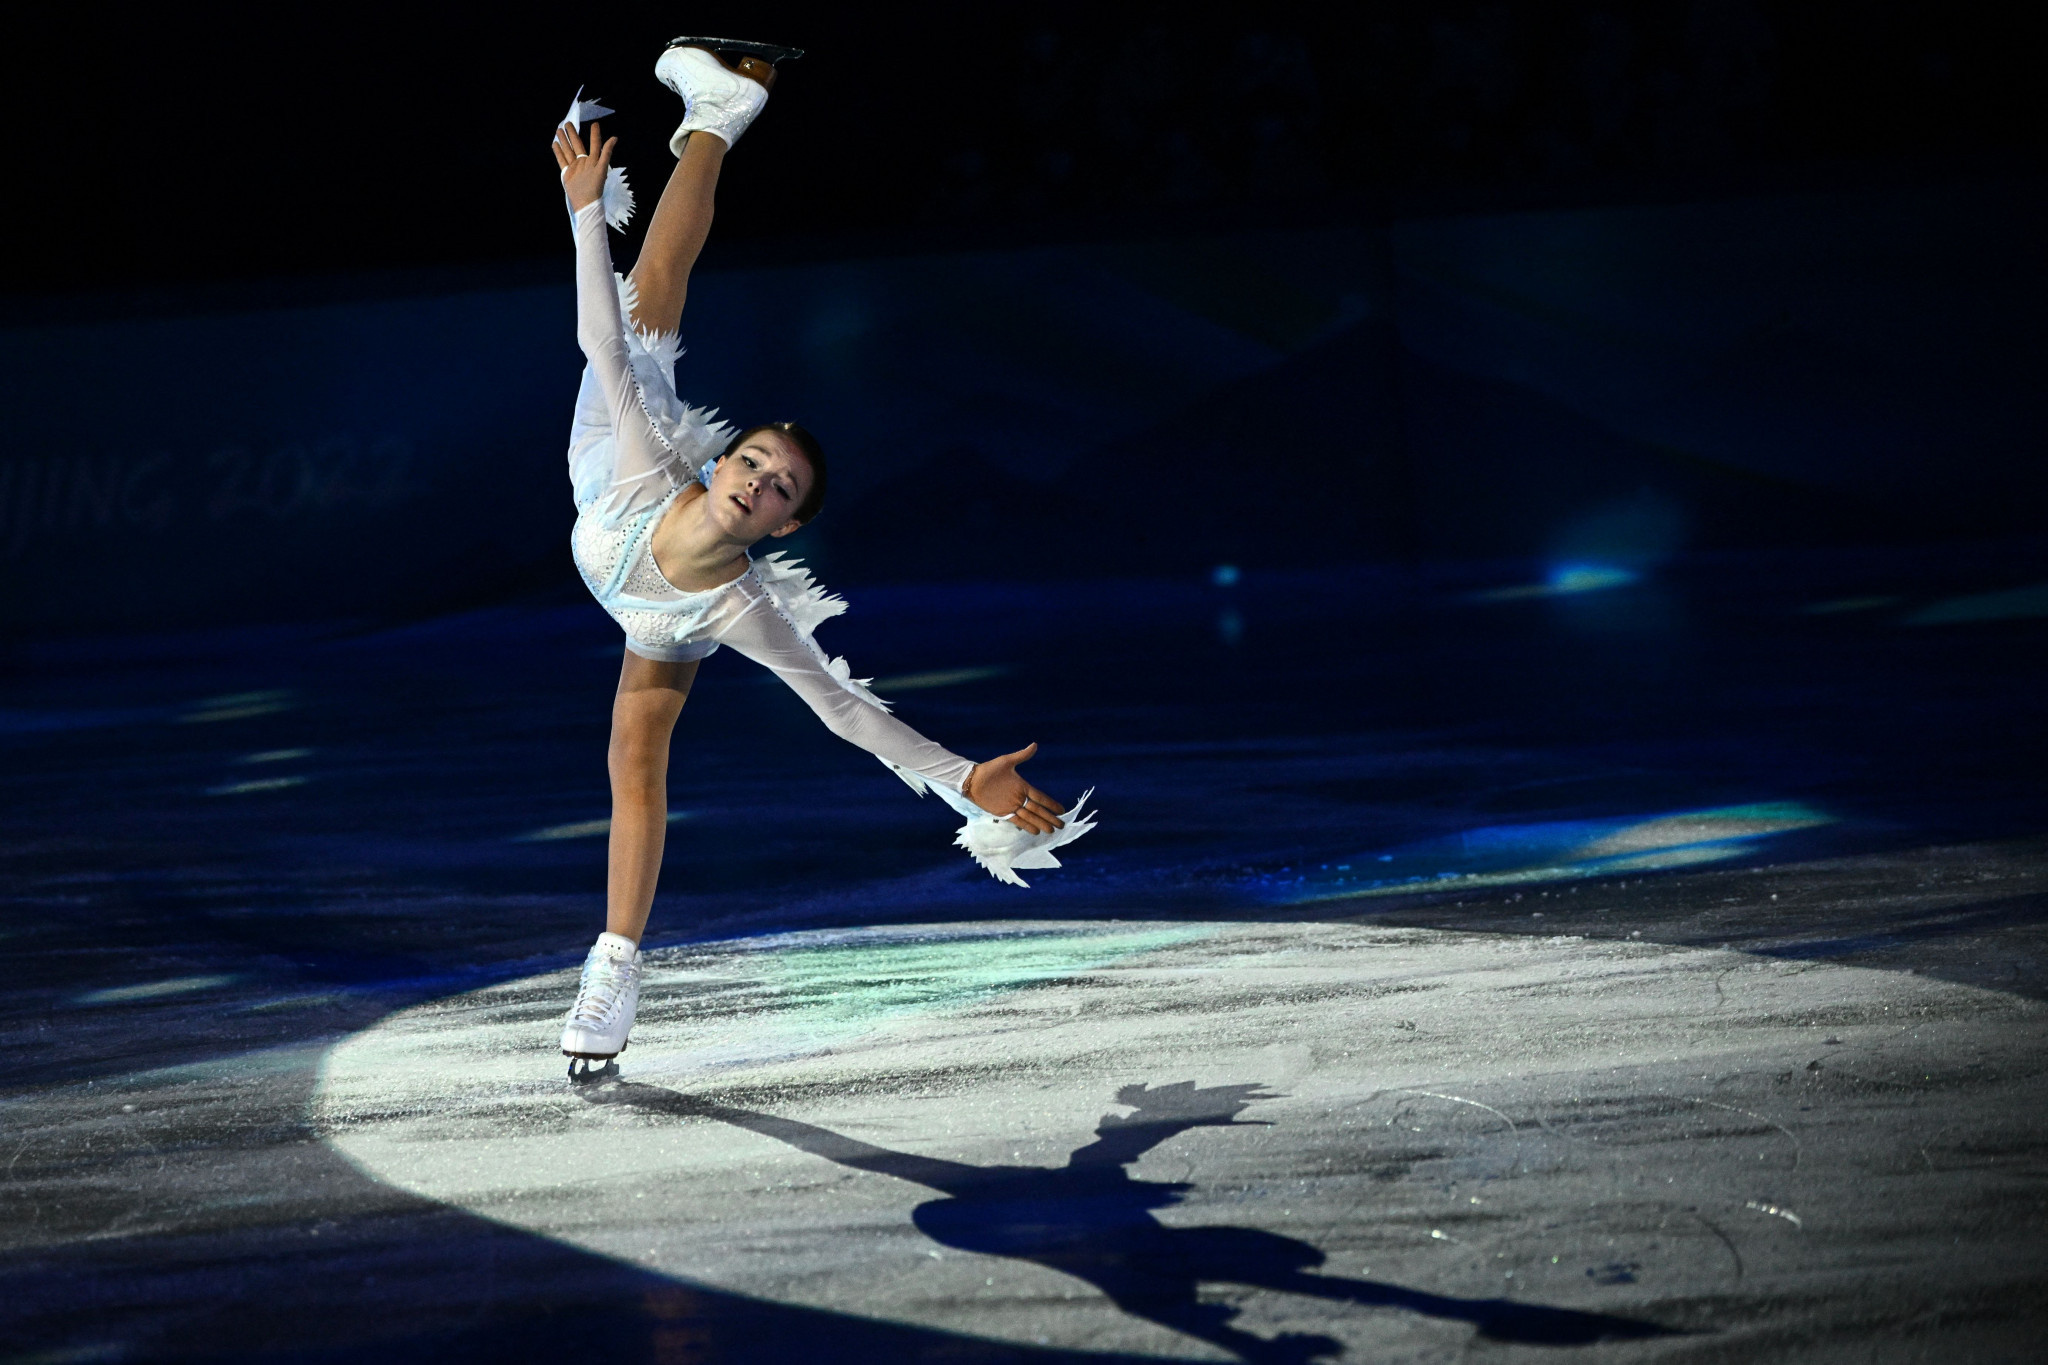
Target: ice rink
[(1641, 970)]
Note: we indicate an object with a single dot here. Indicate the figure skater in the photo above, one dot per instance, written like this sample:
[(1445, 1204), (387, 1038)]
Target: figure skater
[(668, 505)]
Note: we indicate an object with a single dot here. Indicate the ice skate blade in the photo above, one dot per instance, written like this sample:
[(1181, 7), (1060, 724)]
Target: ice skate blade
[(755, 61), (587, 1071), (767, 52)]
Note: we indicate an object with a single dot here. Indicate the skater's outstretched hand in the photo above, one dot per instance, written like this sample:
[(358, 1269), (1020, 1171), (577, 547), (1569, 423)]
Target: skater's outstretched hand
[(997, 788), (583, 167)]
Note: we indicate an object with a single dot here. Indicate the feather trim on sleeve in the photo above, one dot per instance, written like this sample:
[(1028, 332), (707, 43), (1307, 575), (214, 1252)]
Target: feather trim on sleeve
[(692, 435), (1001, 847), (997, 845), (618, 199), (663, 348), (915, 781)]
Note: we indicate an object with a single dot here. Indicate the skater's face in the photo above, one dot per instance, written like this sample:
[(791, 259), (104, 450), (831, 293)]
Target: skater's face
[(757, 488)]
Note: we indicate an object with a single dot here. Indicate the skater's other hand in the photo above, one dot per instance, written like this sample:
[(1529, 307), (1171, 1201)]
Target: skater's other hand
[(583, 167), (996, 787)]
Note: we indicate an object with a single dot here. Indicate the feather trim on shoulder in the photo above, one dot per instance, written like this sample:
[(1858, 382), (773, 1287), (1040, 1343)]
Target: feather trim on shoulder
[(800, 597), (797, 591)]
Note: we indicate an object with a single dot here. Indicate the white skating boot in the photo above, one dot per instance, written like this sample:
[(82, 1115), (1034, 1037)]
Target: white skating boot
[(724, 84), (603, 1013)]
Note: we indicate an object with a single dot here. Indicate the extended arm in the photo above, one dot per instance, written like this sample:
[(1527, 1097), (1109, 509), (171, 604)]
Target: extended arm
[(643, 456), (764, 635)]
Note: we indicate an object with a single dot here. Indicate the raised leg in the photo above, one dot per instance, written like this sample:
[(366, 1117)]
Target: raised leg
[(644, 712), (676, 233)]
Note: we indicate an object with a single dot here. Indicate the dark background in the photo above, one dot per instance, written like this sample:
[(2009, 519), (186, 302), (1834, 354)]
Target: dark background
[(1603, 282), (236, 142)]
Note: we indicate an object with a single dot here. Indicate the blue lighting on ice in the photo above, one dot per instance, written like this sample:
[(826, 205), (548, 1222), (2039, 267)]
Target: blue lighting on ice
[(1560, 850), (1564, 580), (1571, 578)]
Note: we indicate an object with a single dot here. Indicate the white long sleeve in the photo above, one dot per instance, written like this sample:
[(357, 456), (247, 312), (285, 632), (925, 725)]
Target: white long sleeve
[(762, 633), (770, 638), (645, 465)]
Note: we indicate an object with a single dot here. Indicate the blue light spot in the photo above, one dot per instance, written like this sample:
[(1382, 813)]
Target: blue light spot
[(1563, 580), (1570, 578), (1224, 575), (1567, 850)]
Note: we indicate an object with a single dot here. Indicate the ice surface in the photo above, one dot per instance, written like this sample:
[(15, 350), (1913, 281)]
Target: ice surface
[(898, 1122)]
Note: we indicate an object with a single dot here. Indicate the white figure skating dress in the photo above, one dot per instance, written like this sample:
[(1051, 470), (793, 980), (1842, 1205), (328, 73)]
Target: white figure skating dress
[(633, 448)]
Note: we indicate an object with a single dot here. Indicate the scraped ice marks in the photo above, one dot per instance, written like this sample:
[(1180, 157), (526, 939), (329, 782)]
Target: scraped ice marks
[(838, 1120), (1753, 1140), (269, 781), (1493, 1163), (243, 786), (239, 706), (1455, 1136)]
